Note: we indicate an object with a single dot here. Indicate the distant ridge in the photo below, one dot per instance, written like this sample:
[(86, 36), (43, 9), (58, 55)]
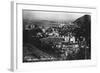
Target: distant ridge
[(84, 20)]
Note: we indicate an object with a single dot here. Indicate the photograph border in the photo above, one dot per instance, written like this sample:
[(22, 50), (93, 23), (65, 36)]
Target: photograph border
[(15, 65)]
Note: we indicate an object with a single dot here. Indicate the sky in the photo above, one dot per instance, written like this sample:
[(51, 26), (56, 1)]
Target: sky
[(52, 16)]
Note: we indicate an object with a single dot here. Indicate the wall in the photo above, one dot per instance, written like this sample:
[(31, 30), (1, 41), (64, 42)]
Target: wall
[(5, 34)]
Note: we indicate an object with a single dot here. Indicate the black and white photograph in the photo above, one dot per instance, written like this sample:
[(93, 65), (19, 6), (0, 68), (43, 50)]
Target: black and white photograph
[(55, 35), (50, 36)]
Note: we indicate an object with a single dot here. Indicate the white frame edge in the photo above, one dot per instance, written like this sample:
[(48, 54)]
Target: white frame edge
[(14, 64), (13, 37)]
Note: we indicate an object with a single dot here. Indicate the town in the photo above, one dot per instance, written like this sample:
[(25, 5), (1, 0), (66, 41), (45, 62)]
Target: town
[(45, 40)]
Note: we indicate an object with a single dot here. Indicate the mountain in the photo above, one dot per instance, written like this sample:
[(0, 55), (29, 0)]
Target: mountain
[(84, 23)]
